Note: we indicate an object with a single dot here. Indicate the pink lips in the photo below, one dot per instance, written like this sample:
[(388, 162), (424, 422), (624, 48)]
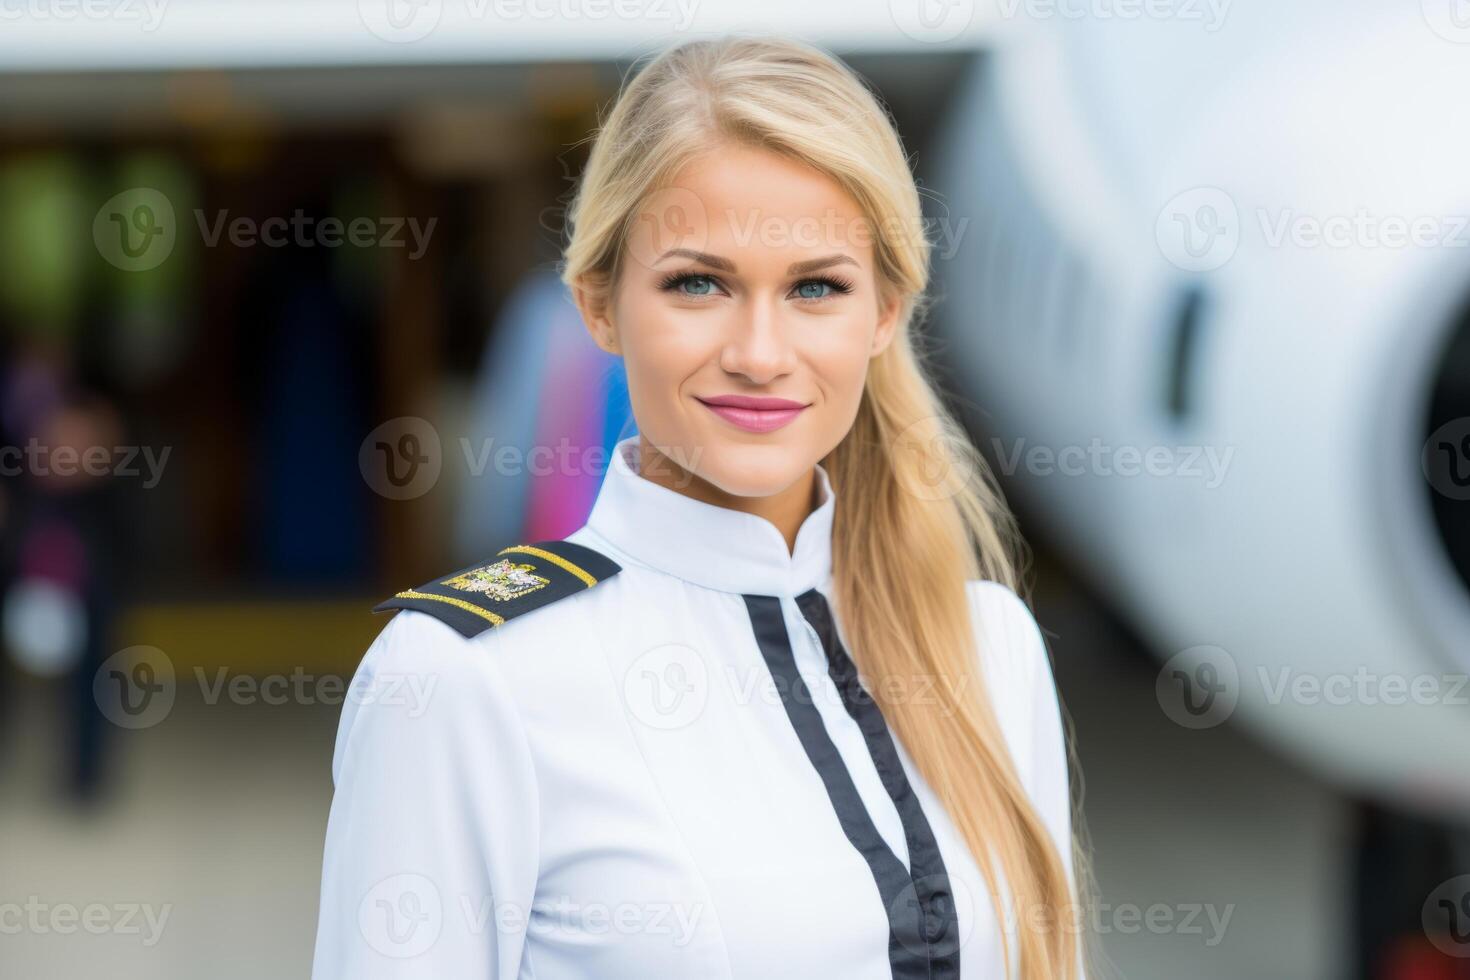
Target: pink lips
[(753, 413)]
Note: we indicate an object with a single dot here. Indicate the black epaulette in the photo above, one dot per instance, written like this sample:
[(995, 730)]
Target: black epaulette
[(524, 577)]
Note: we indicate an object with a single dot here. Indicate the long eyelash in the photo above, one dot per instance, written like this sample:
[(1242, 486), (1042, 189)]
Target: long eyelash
[(840, 285), (675, 279)]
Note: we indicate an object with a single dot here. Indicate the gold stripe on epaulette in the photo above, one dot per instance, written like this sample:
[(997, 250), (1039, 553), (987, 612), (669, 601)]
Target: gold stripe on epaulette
[(555, 559), (460, 603)]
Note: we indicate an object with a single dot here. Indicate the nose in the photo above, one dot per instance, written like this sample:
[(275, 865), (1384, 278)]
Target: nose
[(758, 345)]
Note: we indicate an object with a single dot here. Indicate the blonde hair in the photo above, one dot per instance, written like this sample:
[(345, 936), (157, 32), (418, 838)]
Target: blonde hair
[(794, 99)]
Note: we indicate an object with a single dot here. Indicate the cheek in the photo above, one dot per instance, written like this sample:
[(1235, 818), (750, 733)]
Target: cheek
[(660, 354), (660, 348), (840, 360)]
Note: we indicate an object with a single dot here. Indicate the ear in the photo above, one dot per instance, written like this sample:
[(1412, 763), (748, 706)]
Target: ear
[(595, 315), (887, 325)]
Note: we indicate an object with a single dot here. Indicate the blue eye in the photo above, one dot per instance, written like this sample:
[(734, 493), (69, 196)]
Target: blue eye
[(675, 283), (813, 289), (831, 285), (699, 285)]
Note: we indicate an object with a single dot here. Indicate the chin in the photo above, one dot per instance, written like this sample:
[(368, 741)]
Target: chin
[(749, 470)]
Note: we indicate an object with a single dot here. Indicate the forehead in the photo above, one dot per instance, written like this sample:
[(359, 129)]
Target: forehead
[(744, 201)]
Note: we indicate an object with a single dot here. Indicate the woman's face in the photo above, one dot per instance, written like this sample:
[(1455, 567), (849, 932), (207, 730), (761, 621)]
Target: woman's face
[(750, 281)]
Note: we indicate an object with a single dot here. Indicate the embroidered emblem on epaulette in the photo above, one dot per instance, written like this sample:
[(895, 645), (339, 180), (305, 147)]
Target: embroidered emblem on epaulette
[(501, 580), (484, 595)]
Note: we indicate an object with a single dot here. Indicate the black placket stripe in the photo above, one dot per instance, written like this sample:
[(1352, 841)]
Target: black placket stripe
[(908, 951), (939, 918)]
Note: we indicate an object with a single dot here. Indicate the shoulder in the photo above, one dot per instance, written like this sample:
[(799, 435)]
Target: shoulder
[(1015, 663), (1027, 707), (519, 579), (435, 675), (1011, 644), (448, 631), (419, 681)]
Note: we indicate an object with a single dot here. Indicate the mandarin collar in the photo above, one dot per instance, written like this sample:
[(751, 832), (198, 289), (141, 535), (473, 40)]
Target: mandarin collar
[(716, 547)]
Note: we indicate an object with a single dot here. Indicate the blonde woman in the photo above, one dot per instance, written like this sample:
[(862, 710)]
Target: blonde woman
[(776, 710)]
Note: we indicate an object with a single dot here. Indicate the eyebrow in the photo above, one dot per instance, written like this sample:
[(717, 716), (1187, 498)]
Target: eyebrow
[(795, 269)]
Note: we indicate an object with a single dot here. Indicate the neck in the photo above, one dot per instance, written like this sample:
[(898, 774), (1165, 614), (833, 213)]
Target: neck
[(786, 509)]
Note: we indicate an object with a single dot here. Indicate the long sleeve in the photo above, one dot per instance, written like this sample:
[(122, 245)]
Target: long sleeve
[(1033, 723), (431, 845), (1049, 777), (1052, 779)]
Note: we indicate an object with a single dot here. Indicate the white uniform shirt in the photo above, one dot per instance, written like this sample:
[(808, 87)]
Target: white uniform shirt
[(632, 783)]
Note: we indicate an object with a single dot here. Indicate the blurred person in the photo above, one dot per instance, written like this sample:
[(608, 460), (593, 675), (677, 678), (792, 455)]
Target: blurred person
[(60, 538), (669, 764)]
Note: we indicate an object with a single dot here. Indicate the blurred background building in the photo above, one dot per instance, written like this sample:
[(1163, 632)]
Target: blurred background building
[(280, 331)]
